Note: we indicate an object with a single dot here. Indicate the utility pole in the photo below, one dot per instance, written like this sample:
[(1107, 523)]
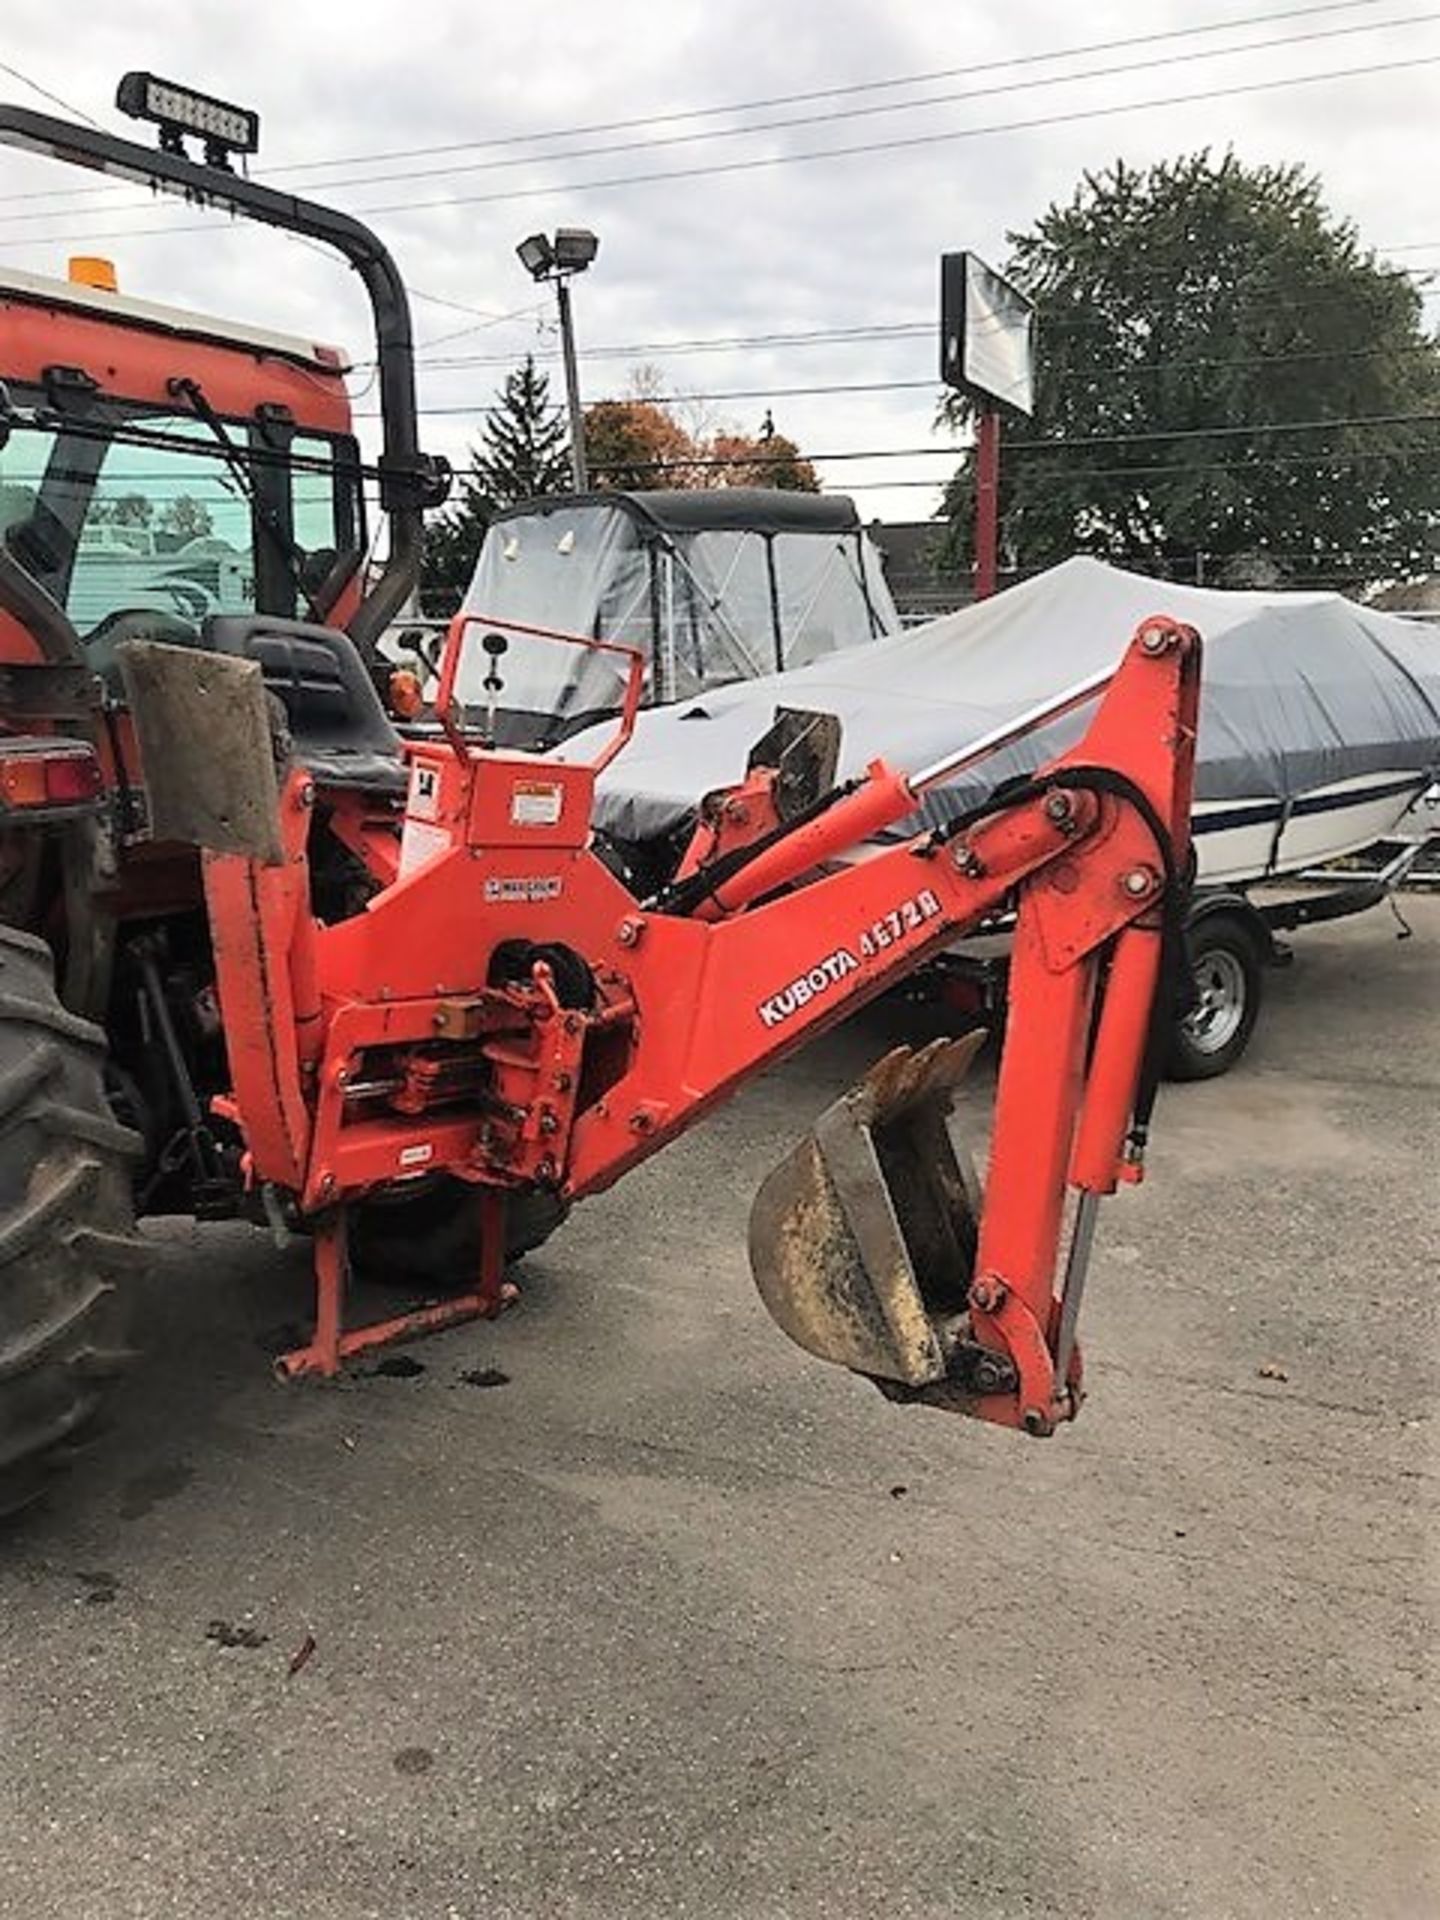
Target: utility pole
[(560, 259), (578, 472)]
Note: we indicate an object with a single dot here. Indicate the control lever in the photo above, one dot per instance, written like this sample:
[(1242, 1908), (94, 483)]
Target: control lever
[(495, 645)]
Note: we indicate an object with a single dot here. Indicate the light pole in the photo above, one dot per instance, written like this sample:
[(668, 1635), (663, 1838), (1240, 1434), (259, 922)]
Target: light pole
[(560, 259)]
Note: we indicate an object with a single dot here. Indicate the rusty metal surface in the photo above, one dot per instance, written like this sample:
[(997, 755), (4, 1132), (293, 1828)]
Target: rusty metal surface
[(862, 1239), (804, 749), (203, 723)]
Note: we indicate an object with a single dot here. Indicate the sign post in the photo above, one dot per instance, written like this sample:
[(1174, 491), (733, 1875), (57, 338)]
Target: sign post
[(987, 503), (987, 331)]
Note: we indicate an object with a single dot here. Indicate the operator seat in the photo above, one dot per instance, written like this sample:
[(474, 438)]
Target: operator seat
[(340, 730), (102, 642)]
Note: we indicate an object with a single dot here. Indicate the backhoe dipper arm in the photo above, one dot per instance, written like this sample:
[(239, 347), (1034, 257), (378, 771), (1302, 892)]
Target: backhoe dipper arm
[(1092, 851)]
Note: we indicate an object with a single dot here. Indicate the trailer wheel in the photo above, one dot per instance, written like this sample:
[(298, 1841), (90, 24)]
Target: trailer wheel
[(432, 1238), (1228, 976), (66, 1224)]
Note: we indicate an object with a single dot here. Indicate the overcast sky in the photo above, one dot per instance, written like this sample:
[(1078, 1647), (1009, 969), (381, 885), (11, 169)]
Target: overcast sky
[(806, 245)]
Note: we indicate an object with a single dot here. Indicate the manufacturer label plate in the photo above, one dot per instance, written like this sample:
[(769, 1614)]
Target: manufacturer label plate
[(536, 803)]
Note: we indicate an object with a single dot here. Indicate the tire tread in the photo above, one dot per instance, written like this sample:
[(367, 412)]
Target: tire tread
[(66, 1226)]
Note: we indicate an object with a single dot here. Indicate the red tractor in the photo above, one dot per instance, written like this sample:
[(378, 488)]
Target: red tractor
[(262, 957)]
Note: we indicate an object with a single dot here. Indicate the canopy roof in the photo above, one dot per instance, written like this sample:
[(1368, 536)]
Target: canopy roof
[(686, 510)]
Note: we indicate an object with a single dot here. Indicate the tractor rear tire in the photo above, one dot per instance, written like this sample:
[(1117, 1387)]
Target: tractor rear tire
[(433, 1239), (67, 1227)]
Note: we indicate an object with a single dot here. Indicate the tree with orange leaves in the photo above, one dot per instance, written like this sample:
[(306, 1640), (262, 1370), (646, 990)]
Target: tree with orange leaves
[(634, 444)]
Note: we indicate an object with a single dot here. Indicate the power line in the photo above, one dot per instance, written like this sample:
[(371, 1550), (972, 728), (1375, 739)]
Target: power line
[(482, 326), (865, 112), (852, 90), (913, 140), (360, 471), (904, 143), (775, 100), (1359, 457), (817, 336), (834, 387), (1136, 472), (1186, 57), (1058, 444), (1225, 432), (44, 93), (486, 315)]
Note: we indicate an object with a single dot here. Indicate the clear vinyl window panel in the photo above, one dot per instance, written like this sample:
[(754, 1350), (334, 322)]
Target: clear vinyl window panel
[(162, 522)]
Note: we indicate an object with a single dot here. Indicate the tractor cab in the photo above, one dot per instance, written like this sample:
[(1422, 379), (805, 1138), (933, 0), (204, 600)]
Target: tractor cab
[(161, 468)]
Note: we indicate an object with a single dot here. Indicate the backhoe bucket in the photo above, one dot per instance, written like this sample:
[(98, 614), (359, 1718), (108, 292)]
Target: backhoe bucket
[(862, 1241)]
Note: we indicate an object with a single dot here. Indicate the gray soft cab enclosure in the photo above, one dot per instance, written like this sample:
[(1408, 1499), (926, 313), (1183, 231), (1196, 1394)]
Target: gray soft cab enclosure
[(712, 587)]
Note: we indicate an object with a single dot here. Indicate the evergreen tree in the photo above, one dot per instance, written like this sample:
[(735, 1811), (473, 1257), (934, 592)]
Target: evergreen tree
[(523, 451)]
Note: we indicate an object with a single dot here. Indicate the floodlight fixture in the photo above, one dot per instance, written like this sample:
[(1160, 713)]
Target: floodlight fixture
[(575, 248), (537, 256), (569, 251)]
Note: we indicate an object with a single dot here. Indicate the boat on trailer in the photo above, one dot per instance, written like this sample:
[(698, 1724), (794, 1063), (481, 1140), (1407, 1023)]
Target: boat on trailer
[(1319, 728)]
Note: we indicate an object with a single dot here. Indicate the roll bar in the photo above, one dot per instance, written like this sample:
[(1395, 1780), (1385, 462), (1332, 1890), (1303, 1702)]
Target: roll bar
[(410, 481)]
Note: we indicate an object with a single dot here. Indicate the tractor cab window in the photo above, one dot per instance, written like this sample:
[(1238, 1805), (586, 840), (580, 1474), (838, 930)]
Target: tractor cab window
[(145, 512)]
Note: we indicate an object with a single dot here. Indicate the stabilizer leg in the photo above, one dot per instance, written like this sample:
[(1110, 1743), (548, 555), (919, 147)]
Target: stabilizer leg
[(331, 1345)]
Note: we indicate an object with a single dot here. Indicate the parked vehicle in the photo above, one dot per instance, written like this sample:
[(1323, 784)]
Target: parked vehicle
[(710, 586)]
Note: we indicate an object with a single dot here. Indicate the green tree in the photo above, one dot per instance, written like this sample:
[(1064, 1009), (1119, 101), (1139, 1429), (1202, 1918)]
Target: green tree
[(186, 518), (1206, 306), (125, 510), (523, 452)]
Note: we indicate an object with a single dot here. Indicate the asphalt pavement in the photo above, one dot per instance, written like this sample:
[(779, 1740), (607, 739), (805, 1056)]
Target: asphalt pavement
[(623, 1606)]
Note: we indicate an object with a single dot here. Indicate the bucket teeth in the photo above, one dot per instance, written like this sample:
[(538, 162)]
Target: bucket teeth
[(862, 1240)]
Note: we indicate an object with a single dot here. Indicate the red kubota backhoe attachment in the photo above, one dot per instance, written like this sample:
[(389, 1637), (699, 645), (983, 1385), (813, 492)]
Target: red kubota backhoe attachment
[(509, 1014)]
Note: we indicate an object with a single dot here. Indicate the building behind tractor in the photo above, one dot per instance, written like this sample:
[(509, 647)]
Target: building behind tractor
[(261, 958)]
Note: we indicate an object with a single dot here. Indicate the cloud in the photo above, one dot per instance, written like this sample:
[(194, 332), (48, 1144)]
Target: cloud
[(844, 242)]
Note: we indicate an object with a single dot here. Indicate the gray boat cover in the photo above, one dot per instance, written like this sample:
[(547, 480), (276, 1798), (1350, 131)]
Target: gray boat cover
[(1299, 691)]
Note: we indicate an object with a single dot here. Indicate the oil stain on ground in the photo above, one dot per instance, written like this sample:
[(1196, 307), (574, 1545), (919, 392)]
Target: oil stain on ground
[(395, 1366), (485, 1377), (100, 1588), (145, 1491)]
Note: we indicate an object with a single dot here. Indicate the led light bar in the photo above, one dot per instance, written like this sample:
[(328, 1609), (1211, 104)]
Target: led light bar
[(180, 110)]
